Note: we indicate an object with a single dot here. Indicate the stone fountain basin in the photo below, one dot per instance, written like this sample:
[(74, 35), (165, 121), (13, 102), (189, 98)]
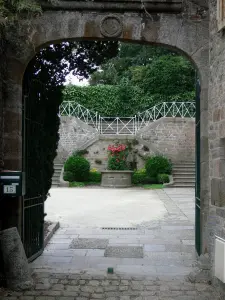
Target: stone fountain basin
[(116, 179)]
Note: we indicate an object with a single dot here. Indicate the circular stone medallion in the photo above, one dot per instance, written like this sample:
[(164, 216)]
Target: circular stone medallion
[(111, 26)]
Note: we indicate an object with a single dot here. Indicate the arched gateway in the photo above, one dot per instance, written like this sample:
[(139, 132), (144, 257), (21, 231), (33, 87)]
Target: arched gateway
[(182, 26)]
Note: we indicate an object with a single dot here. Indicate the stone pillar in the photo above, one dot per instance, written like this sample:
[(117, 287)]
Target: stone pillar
[(202, 61), (12, 136), (16, 267)]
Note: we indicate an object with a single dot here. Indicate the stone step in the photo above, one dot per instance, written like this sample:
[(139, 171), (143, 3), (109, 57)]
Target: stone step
[(183, 185), (185, 163), (181, 180), (184, 177), (56, 176), (183, 166), (184, 170), (57, 173), (188, 174)]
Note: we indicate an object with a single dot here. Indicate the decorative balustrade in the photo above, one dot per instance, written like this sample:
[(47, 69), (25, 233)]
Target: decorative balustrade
[(74, 109), (166, 109), (127, 125)]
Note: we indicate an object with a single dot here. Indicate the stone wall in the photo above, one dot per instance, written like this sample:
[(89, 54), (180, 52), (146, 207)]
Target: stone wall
[(74, 135), (216, 126), (178, 32), (172, 137), (98, 156)]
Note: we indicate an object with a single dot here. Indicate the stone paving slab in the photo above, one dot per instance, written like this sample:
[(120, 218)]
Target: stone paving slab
[(82, 243), (166, 241), (124, 252)]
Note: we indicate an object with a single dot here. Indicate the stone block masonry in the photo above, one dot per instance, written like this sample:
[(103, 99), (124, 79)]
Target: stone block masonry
[(172, 137), (74, 135)]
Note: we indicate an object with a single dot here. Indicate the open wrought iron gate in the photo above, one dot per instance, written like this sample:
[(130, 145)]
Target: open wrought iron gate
[(33, 201), (198, 178)]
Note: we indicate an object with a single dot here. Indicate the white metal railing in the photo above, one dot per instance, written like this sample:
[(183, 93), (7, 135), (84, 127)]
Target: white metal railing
[(73, 109), (166, 109), (127, 125)]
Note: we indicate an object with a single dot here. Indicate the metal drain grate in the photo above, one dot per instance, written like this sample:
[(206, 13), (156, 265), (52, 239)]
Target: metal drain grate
[(119, 228)]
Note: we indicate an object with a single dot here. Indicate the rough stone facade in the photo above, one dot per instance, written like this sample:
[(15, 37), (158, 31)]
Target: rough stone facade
[(172, 137), (216, 128), (98, 156), (176, 30), (74, 135)]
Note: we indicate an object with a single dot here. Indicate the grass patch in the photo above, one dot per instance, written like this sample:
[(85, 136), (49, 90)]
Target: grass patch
[(76, 184), (83, 184), (153, 186)]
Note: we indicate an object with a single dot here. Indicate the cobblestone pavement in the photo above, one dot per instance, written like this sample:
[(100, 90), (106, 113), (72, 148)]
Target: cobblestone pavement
[(150, 261), (83, 287)]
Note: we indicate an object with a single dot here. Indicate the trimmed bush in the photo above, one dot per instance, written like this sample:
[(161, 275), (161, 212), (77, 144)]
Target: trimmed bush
[(95, 176), (163, 178), (68, 176), (79, 167), (76, 184), (140, 177), (158, 164)]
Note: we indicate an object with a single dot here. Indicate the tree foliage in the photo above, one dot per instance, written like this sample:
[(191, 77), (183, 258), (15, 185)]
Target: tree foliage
[(53, 63), (158, 72), (108, 100), (11, 9), (122, 100)]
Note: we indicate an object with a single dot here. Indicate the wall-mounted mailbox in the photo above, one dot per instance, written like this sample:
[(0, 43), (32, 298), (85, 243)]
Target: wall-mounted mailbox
[(12, 183)]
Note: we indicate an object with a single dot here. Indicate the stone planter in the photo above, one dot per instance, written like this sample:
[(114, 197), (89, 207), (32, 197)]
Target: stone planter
[(116, 179)]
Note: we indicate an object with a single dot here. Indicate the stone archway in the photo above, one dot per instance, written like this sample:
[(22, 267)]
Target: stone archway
[(174, 31)]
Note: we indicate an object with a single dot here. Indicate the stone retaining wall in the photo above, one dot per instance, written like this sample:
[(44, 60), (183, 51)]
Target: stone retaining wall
[(173, 137), (74, 135)]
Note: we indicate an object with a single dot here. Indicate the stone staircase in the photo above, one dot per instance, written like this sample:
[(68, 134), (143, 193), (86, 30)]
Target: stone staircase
[(56, 176), (184, 174)]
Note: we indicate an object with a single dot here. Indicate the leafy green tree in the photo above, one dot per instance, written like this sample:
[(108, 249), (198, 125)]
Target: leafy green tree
[(157, 71), (165, 76), (52, 64)]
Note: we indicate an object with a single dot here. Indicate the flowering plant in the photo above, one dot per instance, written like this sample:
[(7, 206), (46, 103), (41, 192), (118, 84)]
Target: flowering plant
[(117, 157)]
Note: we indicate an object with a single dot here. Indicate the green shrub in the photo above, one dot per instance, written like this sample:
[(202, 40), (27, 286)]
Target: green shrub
[(79, 167), (158, 164), (118, 157), (76, 184), (95, 177), (80, 152), (140, 177), (68, 176), (141, 171), (163, 178)]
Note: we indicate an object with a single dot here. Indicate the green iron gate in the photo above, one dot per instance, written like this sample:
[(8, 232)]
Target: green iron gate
[(33, 201), (198, 178)]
